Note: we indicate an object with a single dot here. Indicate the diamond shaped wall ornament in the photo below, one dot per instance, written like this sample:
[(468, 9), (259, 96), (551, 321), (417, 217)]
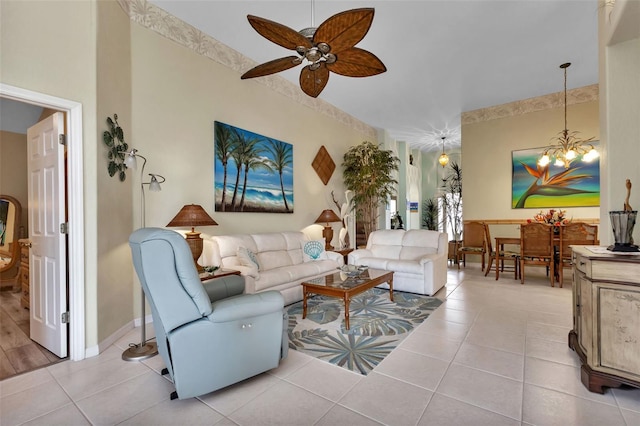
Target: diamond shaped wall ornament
[(323, 165)]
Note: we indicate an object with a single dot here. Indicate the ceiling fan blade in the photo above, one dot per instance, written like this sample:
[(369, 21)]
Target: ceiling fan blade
[(312, 82), (357, 62), (345, 29), (272, 67), (278, 33)]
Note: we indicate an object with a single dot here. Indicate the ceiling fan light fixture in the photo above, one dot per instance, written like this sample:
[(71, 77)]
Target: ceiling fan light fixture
[(329, 47), (308, 32)]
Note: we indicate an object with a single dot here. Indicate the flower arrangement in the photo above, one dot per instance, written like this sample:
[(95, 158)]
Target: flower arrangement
[(552, 217)]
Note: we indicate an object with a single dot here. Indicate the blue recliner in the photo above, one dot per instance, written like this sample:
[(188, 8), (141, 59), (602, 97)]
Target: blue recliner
[(209, 336)]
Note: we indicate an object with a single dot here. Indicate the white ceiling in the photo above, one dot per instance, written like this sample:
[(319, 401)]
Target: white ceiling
[(443, 57)]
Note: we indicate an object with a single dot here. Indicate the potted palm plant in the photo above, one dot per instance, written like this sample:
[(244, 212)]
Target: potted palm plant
[(368, 173), (452, 200), (451, 196), (430, 214)]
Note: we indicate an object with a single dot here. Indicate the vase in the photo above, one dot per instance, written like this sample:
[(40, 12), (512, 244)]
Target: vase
[(622, 223)]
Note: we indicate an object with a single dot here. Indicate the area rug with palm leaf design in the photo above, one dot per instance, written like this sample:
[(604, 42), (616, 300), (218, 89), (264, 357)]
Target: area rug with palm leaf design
[(378, 325)]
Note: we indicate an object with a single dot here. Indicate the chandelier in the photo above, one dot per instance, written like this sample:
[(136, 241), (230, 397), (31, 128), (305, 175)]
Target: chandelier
[(444, 158), (568, 146)]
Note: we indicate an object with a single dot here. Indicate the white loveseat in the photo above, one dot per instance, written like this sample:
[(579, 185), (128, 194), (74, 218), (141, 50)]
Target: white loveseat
[(280, 258), (417, 257)]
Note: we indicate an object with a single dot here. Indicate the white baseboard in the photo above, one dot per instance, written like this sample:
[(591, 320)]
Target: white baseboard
[(117, 335), (148, 319)]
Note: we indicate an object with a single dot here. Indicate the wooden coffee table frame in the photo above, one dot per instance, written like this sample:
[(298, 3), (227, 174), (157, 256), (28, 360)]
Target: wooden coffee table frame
[(333, 286)]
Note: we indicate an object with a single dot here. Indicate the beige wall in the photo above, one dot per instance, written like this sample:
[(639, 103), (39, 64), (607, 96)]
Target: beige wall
[(619, 43), (50, 47), (177, 96), (117, 290), (487, 183), (13, 170)]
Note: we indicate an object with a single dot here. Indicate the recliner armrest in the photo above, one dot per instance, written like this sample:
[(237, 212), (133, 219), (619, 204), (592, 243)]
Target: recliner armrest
[(246, 306), (224, 287)]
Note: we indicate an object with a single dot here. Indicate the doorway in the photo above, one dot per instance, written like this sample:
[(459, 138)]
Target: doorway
[(30, 335), (75, 202)]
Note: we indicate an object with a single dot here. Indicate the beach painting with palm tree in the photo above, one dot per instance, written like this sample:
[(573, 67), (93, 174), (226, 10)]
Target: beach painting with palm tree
[(252, 173), (551, 186)]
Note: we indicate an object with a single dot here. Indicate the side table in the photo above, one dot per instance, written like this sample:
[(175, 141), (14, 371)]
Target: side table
[(206, 276), (344, 253)]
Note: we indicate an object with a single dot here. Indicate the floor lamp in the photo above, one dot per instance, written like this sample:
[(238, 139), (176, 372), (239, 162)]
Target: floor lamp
[(143, 350)]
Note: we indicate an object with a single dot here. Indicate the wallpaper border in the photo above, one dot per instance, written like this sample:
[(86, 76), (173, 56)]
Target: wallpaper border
[(553, 100)]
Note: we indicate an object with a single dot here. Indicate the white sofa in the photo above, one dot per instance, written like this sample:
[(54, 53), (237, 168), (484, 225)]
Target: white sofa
[(280, 259), (417, 257)]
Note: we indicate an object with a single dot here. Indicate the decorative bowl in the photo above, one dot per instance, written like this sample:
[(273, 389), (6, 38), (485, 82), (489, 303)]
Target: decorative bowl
[(352, 270)]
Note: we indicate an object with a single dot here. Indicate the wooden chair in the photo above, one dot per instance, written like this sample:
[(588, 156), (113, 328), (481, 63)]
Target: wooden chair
[(537, 248), (499, 256), (473, 242), (573, 233)]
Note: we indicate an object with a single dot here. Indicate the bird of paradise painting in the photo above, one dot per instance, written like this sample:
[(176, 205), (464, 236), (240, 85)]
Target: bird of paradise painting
[(252, 173), (551, 186)]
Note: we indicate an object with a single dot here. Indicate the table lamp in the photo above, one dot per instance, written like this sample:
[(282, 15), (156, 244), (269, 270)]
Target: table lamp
[(193, 215), (326, 217)]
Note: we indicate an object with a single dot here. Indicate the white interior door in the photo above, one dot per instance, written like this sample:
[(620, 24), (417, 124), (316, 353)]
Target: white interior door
[(47, 263)]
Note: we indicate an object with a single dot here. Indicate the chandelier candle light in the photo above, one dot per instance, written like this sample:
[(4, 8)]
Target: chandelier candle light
[(568, 146), (145, 349)]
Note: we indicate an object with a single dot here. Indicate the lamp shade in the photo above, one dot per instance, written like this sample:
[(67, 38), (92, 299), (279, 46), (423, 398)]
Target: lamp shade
[(327, 216), (154, 184), (130, 159), (192, 215)]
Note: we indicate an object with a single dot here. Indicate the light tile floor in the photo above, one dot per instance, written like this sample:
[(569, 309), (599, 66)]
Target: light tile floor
[(495, 353)]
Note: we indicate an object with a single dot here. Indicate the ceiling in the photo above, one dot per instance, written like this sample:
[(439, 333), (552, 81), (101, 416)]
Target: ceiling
[(443, 57)]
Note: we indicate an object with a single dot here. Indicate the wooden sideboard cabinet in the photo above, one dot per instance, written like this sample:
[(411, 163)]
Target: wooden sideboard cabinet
[(606, 318), (25, 245)]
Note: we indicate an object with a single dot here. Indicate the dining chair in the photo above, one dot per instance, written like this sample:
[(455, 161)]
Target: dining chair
[(537, 248), (473, 242), (499, 256), (573, 233)]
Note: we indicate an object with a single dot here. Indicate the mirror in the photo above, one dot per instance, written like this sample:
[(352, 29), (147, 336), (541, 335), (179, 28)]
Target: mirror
[(10, 214)]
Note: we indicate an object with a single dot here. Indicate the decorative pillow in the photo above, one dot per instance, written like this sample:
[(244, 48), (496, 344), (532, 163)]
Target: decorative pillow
[(313, 250), (248, 258)]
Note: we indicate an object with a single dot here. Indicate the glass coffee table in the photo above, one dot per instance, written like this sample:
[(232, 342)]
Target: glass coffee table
[(339, 284)]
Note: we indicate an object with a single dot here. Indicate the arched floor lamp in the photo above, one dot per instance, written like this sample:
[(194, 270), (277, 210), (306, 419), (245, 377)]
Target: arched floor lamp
[(143, 350)]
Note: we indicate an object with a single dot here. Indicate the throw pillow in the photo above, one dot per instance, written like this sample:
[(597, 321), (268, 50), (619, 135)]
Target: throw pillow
[(313, 250), (248, 258)]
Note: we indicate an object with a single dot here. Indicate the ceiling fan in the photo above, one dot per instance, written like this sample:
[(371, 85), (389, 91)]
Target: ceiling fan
[(329, 47)]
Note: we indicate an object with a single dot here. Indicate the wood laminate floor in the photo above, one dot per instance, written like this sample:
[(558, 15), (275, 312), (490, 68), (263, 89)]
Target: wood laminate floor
[(18, 353)]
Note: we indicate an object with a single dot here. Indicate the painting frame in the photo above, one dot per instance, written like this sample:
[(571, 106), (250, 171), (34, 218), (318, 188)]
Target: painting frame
[(252, 173), (551, 186)]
